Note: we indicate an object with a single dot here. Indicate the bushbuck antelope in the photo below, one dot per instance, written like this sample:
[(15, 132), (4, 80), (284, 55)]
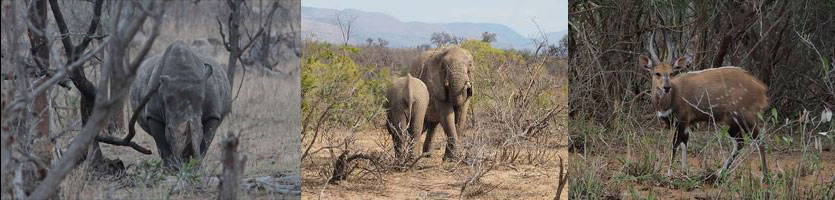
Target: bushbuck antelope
[(725, 95)]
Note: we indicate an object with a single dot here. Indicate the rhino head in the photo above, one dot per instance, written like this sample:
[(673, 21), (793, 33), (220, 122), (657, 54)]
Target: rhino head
[(182, 92)]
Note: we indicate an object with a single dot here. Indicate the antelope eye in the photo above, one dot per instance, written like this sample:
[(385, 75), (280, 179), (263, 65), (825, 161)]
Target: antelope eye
[(657, 74)]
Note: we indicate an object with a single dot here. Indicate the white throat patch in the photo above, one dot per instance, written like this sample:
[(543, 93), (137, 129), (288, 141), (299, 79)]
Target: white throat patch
[(666, 113)]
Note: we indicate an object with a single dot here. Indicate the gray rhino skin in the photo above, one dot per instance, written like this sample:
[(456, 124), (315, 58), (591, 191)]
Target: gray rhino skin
[(192, 100), (448, 74), (406, 107)]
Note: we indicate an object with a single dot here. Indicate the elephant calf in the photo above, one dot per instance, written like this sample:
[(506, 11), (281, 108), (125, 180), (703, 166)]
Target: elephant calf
[(406, 107), (192, 100)]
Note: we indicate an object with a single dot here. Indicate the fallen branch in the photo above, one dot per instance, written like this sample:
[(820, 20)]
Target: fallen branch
[(340, 165)]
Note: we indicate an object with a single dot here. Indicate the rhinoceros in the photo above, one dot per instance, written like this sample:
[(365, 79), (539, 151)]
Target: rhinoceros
[(192, 98)]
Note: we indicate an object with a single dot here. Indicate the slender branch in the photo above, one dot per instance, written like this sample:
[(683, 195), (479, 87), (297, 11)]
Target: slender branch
[(93, 25), (120, 142), (132, 126), (62, 27)]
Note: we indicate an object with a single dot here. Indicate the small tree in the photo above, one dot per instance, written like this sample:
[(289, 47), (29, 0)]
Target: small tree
[(382, 43), (345, 22), (488, 37), (441, 39)]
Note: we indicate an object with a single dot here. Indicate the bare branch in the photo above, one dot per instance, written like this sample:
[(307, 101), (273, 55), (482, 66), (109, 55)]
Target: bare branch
[(132, 126)]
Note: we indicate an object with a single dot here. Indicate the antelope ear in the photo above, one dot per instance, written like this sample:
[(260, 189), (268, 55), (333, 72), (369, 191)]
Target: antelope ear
[(645, 63), (680, 64)]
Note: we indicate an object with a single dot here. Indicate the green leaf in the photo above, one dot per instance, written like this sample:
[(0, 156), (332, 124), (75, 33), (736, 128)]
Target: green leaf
[(825, 68), (774, 114), (788, 140)]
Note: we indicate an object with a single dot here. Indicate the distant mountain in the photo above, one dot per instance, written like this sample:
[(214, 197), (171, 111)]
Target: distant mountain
[(555, 37), (320, 24)]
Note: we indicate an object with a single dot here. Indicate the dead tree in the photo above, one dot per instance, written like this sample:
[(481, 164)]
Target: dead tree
[(233, 168), (126, 19), (85, 87), (345, 24), (232, 43)]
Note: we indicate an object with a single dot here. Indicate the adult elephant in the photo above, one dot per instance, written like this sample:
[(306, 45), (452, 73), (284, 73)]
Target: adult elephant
[(448, 74), (192, 98)]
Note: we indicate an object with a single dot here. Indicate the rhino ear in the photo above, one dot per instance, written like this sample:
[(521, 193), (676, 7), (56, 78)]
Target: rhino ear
[(209, 71)]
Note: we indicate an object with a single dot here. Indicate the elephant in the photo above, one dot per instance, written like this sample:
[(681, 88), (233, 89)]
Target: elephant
[(448, 75), (406, 107), (192, 99)]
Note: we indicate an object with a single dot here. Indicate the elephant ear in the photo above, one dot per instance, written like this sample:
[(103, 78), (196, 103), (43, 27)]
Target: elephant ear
[(445, 80)]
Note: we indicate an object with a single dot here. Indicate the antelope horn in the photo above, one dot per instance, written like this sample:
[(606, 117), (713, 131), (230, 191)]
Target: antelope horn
[(651, 48), (670, 49)]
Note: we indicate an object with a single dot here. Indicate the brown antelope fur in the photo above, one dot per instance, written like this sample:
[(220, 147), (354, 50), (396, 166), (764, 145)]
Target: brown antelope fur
[(725, 95)]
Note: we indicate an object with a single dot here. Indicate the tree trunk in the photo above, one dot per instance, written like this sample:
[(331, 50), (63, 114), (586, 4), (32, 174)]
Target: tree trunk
[(40, 50), (233, 168), (234, 38)]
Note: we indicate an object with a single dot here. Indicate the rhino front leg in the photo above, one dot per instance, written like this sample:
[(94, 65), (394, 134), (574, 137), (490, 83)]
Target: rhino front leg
[(209, 128), (163, 147)]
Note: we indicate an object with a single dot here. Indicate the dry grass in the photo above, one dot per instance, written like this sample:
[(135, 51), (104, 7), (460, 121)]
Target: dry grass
[(630, 160)]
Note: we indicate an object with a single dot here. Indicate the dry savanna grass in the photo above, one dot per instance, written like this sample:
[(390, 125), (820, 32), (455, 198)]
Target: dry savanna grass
[(500, 160)]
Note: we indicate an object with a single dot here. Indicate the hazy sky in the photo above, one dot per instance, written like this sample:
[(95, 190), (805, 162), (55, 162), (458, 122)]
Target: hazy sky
[(551, 15)]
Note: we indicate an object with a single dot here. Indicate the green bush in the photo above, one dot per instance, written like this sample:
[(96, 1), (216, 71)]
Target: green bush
[(332, 81)]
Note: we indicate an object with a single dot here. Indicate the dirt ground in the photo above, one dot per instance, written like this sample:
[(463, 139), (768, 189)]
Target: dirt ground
[(431, 178)]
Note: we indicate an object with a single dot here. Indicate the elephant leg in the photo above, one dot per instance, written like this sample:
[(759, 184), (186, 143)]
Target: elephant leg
[(416, 128), (398, 146), (392, 125), (157, 130), (448, 123), (427, 143)]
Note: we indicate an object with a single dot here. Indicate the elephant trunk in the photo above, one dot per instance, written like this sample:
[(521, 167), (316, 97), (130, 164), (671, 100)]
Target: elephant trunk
[(460, 87)]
